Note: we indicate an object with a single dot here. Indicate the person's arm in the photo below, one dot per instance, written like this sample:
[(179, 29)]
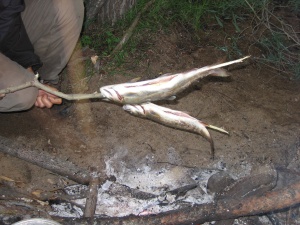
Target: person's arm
[(15, 44), (14, 41)]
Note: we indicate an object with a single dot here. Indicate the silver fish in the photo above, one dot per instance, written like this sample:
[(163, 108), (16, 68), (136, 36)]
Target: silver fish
[(174, 119), (161, 88)]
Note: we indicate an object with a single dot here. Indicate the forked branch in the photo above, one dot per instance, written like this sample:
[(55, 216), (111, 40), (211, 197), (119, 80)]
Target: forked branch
[(37, 84)]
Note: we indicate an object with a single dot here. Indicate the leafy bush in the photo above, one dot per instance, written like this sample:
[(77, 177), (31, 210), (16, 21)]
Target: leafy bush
[(194, 15)]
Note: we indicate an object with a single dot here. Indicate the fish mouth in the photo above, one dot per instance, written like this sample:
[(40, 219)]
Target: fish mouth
[(127, 108), (137, 110)]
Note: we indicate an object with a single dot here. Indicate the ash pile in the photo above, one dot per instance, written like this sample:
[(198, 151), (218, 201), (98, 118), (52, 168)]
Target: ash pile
[(142, 189), (153, 192)]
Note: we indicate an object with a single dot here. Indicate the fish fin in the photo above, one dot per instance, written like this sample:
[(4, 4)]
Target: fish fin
[(220, 73), (134, 80), (164, 75), (217, 128), (173, 97)]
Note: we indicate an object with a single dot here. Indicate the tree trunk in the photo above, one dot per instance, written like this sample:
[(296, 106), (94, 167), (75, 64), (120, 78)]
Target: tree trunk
[(107, 10)]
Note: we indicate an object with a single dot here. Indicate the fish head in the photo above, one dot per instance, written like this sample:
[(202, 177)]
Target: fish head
[(136, 110), (111, 94)]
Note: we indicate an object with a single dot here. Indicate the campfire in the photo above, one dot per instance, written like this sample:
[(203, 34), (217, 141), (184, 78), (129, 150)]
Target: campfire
[(149, 191)]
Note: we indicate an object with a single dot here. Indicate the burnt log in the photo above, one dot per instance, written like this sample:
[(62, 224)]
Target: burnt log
[(227, 208), (91, 200)]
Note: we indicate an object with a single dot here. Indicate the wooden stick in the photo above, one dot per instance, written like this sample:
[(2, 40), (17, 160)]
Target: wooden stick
[(45, 160), (36, 83), (223, 209), (92, 196)]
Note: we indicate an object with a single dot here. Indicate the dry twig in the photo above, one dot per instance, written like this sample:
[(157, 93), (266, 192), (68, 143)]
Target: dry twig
[(274, 25), (129, 32)]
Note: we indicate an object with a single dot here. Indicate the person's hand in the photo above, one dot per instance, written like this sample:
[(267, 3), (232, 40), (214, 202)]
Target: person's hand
[(45, 99)]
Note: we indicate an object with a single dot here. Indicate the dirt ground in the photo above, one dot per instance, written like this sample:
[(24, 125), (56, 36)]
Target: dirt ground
[(257, 106)]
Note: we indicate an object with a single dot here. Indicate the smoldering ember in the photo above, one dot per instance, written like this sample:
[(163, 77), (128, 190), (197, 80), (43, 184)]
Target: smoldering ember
[(181, 112)]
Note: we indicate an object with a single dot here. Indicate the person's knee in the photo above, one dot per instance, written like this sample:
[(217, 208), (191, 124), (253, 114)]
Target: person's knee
[(26, 99), (19, 100)]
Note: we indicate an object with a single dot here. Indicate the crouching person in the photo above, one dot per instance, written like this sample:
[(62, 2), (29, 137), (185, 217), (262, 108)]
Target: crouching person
[(36, 36)]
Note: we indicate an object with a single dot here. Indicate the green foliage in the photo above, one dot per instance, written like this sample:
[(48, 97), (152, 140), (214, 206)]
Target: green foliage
[(86, 40), (277, 53), (194, 15), (110, 40)]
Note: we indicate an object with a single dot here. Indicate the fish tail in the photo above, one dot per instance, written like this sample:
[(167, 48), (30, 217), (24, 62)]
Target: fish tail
[(219, 72), (212, 145), (205, 133)]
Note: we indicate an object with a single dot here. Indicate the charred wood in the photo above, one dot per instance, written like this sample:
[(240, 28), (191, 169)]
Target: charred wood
[(227, 208), (262, 180), (92, 196)]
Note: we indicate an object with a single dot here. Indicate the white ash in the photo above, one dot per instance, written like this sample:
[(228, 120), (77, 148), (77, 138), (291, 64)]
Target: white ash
[(76, 189), (265, 220), (144, 188), (155, 178), (173, 156), (196, 196), (125, 205), (66, 210), (106, 185)]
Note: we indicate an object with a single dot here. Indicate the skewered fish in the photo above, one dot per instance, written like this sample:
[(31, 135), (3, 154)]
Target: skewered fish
[(161, 88), (174, 119)]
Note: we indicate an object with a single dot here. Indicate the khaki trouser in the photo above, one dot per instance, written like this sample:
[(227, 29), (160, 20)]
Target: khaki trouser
[(53, 27)]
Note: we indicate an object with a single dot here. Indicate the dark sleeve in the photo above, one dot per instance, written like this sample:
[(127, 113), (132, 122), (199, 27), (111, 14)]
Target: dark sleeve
[(14, 41)]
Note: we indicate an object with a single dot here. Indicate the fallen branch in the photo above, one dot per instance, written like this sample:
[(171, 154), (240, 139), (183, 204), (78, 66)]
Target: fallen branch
[(129, 32), (45, 160), (223, 209)]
